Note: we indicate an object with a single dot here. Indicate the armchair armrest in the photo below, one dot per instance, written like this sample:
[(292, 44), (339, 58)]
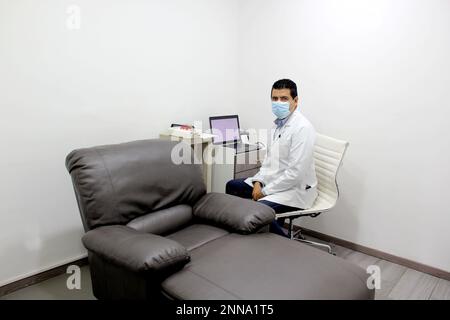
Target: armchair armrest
[(134, 250), (238, 214)]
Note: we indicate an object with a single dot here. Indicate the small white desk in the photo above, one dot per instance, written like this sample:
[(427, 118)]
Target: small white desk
[(238, 165), (221, 164)]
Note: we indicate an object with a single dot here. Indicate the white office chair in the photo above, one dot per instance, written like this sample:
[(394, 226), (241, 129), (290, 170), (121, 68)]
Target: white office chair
[(328, 155)]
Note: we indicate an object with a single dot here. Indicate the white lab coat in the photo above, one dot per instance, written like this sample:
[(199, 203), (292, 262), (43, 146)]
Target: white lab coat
[(289, 164)]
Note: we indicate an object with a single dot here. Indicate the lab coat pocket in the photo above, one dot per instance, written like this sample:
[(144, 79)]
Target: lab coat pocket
[(284, 145), (279, 154)]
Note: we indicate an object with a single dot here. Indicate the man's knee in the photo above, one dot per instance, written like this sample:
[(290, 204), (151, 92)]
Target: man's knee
[(231, 187), (239, 188)]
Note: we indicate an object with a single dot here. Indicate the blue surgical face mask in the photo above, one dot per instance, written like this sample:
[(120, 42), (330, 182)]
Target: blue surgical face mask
[(280, 109)]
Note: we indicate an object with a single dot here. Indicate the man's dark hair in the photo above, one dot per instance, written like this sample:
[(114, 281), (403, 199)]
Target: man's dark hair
[(286, 84)]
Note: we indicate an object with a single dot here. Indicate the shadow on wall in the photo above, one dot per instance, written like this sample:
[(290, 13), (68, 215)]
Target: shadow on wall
[(345, 216), (37, 253)]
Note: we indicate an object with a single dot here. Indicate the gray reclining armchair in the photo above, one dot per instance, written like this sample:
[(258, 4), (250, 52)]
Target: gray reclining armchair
[(152, 232)]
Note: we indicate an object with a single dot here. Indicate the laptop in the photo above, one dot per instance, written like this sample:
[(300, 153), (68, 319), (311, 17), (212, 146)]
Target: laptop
[(228, 133)]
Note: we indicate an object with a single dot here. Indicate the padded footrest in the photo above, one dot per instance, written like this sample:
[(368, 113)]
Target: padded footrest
[(265, 266)]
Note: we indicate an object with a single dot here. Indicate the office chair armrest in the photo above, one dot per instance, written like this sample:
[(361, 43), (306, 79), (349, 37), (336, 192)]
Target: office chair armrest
[(298, 214), (236, 214), (134, 250)]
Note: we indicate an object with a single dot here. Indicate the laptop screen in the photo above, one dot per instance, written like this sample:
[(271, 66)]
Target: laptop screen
[(226, 128)]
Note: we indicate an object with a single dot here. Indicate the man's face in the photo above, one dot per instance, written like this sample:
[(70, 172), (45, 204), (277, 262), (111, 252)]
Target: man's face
[(284, 95)]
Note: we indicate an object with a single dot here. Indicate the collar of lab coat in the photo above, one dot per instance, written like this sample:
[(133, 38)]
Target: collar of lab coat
[(286, 121), (280, 123)]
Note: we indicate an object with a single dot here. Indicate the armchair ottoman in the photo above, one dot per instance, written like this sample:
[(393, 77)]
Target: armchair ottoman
[(153, 233)]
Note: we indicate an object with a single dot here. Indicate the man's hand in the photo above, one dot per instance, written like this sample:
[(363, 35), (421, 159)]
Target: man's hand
[(257, 193)]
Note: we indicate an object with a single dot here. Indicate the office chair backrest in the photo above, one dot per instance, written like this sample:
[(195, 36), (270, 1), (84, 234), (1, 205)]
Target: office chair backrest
[(328, 155)]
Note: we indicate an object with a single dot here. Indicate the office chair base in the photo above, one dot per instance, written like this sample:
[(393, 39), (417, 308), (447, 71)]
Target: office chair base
[(318, 244), (298, 236)]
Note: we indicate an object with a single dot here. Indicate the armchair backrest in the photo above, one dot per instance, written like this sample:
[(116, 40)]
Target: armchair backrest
[(116, 183)]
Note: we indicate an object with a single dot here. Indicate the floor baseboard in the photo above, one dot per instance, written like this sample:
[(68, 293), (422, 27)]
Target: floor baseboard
[(42, 276), (377, 253)]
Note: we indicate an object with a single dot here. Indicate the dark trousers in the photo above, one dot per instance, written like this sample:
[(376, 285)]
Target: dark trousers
[(239, 188)]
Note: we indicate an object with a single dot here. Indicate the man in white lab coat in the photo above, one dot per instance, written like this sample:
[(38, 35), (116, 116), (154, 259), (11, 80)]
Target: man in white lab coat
[(287, 179)]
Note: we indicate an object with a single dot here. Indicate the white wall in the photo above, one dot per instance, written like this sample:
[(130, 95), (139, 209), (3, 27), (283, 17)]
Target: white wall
[(376, 73), (132, 69)]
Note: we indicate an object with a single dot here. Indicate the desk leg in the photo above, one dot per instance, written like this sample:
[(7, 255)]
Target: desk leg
[(207, 166), (291, 227)]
